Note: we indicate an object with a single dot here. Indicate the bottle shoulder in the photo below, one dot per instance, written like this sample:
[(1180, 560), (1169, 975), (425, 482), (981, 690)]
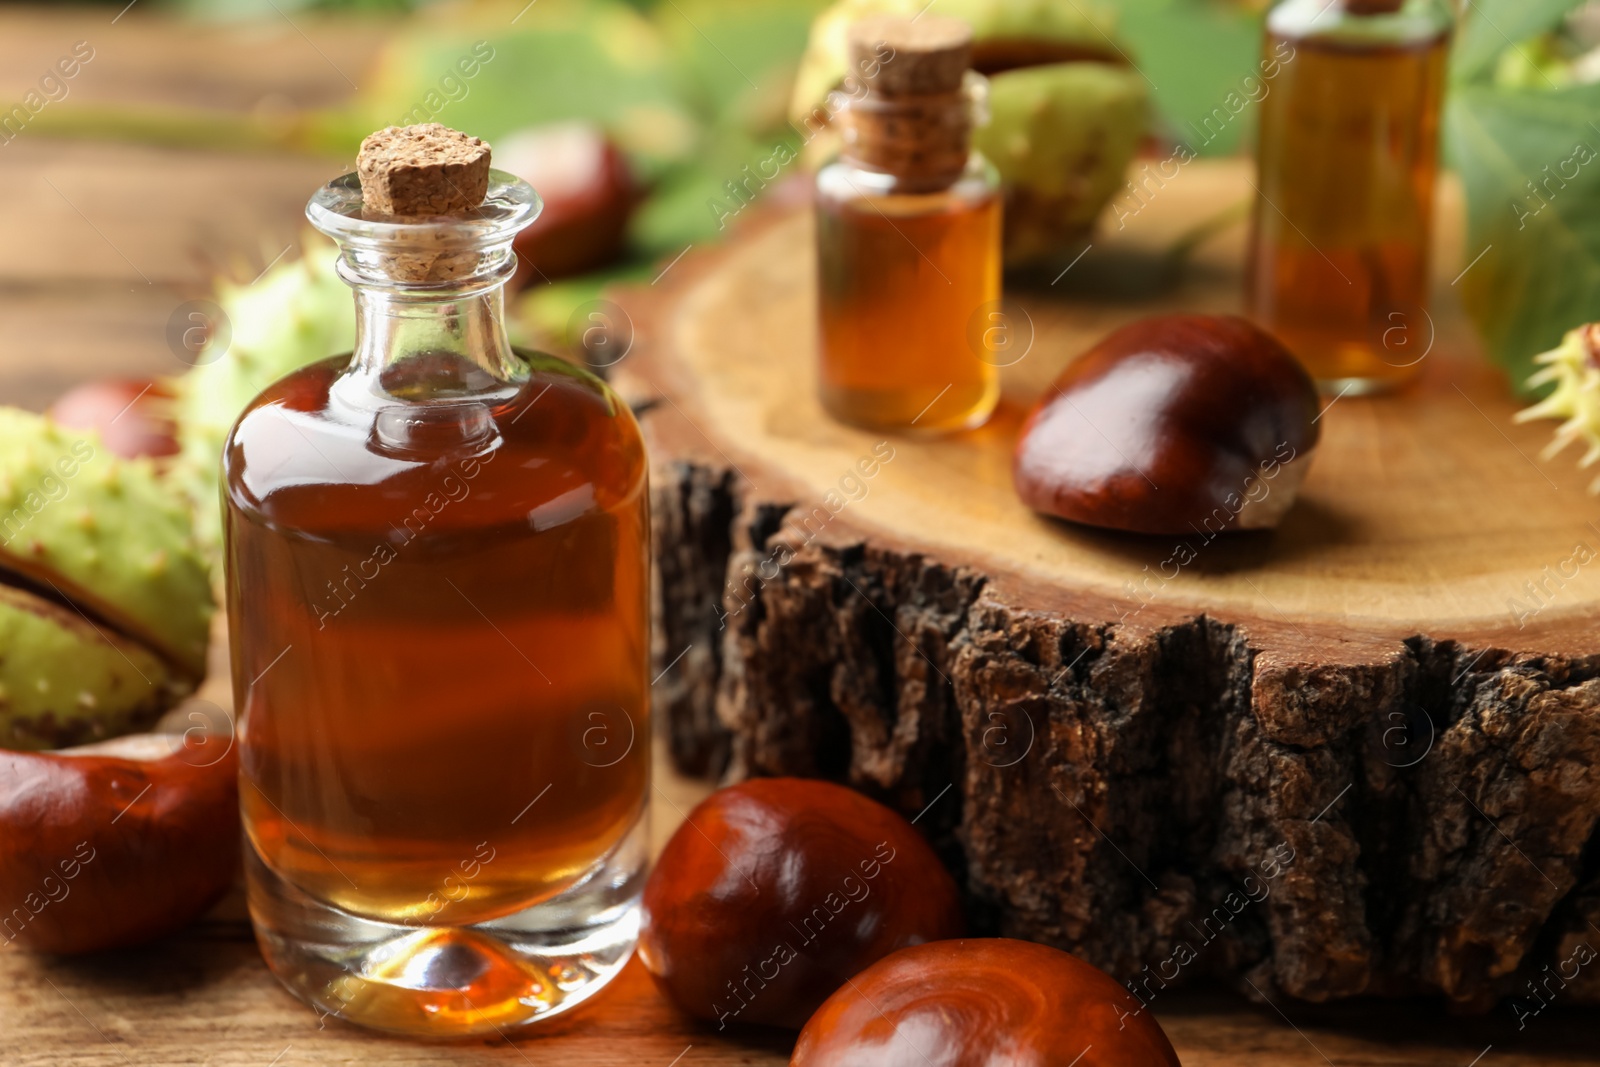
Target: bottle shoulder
[(842, 183), (1336, 24), (299, 457)]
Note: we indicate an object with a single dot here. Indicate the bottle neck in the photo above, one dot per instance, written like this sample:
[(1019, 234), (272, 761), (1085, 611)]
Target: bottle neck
[(921, 139), (437, 343), (430, 301)]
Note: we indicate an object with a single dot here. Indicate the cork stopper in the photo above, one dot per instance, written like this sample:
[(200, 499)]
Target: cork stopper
[(424, 187), (425, 170), (915, 121), (911, 57)]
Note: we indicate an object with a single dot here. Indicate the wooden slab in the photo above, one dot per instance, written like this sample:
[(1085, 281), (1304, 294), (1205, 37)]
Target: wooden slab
[(1399, 688), (1425, 512)]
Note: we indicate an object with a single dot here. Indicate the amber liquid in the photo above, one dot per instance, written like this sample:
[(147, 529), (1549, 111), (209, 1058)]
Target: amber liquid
[(1339, 262), (908, 285), (440, 648)]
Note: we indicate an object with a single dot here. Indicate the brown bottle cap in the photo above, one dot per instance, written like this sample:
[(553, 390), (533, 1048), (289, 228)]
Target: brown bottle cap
[(422, 170), (898, 56)]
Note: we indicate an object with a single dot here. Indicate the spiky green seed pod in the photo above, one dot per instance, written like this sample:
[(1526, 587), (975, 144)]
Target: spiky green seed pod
[(296, 313), (65, 681), (135, 566), (1574, 367), (1061, 137)]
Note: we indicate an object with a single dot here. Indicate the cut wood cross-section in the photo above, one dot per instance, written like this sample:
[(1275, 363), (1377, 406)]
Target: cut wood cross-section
[(1355, 755)]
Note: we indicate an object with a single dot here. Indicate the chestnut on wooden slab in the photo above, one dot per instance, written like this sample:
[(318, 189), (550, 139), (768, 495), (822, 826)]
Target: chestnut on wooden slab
[(116, 843), (985, 1002), (776, 891), (1176, 424)]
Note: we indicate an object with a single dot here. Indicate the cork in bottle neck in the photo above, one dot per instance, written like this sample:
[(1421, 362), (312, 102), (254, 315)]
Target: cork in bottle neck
[(914, 121), (423, 211), (425, 231)]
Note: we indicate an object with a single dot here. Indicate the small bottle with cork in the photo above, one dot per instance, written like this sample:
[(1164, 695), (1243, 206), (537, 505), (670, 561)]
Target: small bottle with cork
[(438, 601), (908, 236), (1349, 150)]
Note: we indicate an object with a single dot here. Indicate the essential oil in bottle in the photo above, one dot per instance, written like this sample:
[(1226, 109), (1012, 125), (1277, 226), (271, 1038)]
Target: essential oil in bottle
[(437, 588), (1339, 256), (908, 237)]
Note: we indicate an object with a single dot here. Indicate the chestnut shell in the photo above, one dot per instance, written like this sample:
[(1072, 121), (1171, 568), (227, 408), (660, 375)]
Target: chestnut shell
[(101, 852), (776, 891), (589, 195), (1165, 425), (989, 1002), (133, 417)]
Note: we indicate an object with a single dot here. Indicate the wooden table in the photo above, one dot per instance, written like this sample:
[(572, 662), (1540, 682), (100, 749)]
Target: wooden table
[(103, 241)]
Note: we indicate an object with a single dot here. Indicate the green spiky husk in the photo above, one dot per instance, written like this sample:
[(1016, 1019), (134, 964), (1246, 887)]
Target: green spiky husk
[(1061, 137), (63, 681), (296, 313), (1574, 369), (106, 533)]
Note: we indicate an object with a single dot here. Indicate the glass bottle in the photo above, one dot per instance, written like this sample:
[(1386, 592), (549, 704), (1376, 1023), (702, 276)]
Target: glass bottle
[(1348, 158), (908, 239), (437, 595)]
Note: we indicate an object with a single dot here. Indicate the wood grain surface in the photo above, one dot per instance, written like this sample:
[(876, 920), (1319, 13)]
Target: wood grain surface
[(205, 998), (1399, 687), (1428, 511), (102, 242)]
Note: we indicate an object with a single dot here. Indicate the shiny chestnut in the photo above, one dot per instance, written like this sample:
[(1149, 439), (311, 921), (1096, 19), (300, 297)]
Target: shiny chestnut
[(589, 194), (776, 891), (1177, 424), (116, 843), (988, 1002), (133, 417)]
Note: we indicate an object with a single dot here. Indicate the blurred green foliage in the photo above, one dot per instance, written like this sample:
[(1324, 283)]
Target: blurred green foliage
[(1491, 27), (1193, 53), (693, 90), (696, 90), (1521, 132)]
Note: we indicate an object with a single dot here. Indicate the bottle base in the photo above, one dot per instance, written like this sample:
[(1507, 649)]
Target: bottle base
[(894, 411), (1359, 385), (1344, 366), (452, 981)]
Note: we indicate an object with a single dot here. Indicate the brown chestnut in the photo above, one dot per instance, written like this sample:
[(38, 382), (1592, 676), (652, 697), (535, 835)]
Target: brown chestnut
[(589, 195), (988, 1002), (775, 891), (116, 843), (133, 417), (1176, 424)]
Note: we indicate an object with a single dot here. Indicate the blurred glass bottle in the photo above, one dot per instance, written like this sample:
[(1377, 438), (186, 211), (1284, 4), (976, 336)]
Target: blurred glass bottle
[(908, 236), (1348, 159)]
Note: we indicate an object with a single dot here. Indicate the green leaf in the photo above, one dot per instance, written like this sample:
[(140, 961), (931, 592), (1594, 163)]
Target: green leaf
[(1194, 54), (735, 61), (1530, 162), (1489, 27), (697, 202), (600, 61)]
